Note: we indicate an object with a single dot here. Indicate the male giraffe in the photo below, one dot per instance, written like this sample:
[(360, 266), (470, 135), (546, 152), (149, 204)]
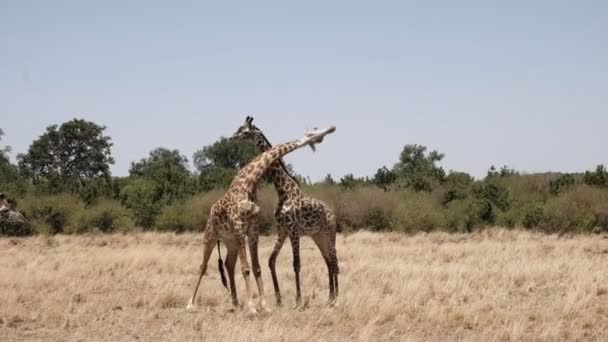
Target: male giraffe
[(297, 214), (233, 218)]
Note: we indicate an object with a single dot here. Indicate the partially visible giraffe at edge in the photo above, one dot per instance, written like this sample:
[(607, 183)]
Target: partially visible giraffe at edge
[(297, 215), (233, 218)]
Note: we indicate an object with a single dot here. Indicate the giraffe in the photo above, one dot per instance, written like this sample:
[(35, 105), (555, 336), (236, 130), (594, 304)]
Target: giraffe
[(233, 218), (297, 214), (12, 222)]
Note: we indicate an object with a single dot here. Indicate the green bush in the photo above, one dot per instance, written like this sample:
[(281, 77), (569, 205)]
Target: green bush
[(191, 215), (534, 216), (597, 178), (457, 185), (582, 209), (561, 184), (106, 216), (172, 218), (144, 199), (420, 211), (52, 214)]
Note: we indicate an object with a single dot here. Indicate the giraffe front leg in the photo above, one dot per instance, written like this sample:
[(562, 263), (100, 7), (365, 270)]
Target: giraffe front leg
[(242, 246), (295, 246)]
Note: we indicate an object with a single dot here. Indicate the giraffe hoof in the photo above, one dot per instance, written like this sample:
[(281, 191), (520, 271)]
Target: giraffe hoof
[(252, 312), (264, 308), (190, 306)]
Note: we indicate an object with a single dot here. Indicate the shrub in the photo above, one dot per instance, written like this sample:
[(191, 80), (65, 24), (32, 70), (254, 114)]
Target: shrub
[(534, 216), (172, 218), (561, 184), (191, 215), (420, 212), (52, 214), (144, 199), (107, 216), (582, 209), (359, 207), (457, 185), (598, 178)]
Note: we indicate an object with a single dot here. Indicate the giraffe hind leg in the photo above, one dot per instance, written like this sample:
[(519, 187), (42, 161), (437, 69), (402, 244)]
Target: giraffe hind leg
[(272, 262), (322, 240)]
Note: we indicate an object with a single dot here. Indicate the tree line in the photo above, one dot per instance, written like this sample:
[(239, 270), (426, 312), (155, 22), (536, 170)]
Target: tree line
[(63, 184)]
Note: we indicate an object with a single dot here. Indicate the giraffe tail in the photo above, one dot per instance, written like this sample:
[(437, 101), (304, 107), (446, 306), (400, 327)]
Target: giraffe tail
[(220, 265)]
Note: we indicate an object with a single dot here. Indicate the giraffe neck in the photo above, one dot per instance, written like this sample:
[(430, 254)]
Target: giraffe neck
[(284, 183), (252, 173)]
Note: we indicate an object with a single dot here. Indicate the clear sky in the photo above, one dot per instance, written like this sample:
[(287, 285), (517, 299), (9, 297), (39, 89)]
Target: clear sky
[(523, 83)]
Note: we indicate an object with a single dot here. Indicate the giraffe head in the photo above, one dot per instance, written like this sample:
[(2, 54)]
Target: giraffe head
[(4, 204), (247, 132), (316, 136)]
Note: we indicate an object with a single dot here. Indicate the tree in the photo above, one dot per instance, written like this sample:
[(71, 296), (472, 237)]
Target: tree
[(598, 178), (329, 180), (68, 155), (562, 183), (168, 170), (225, 154), (384, 178), (418, 168), (214, 177), (217, 164), (11, 182), (4, 151), (144, 198), (457, 185), (504, 171)]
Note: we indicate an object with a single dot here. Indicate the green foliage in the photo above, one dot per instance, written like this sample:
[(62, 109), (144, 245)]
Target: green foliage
[(329, 180), (168, 170), (349, 181), (190, 215), (562, 183), (68, 155), (457, 185), (534, 216), (224, 154), (215, 177), (384, 178), (419, 169), (53, 214), (504, 171), (107, 216), (143, 197), (598, 178), (217, 164), (11, 183), (496, 194), (584, 209)]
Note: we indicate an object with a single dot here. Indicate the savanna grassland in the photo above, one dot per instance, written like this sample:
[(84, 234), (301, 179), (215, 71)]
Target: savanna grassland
[(496, 284)]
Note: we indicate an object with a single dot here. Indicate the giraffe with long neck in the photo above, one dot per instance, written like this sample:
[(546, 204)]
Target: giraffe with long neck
[(297, 214), (233, 218)]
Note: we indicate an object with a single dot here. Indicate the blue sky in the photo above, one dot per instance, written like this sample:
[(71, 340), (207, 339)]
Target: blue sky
[(522, 83)]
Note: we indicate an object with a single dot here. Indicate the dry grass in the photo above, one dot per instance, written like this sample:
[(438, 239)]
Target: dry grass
[(492, 285)]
